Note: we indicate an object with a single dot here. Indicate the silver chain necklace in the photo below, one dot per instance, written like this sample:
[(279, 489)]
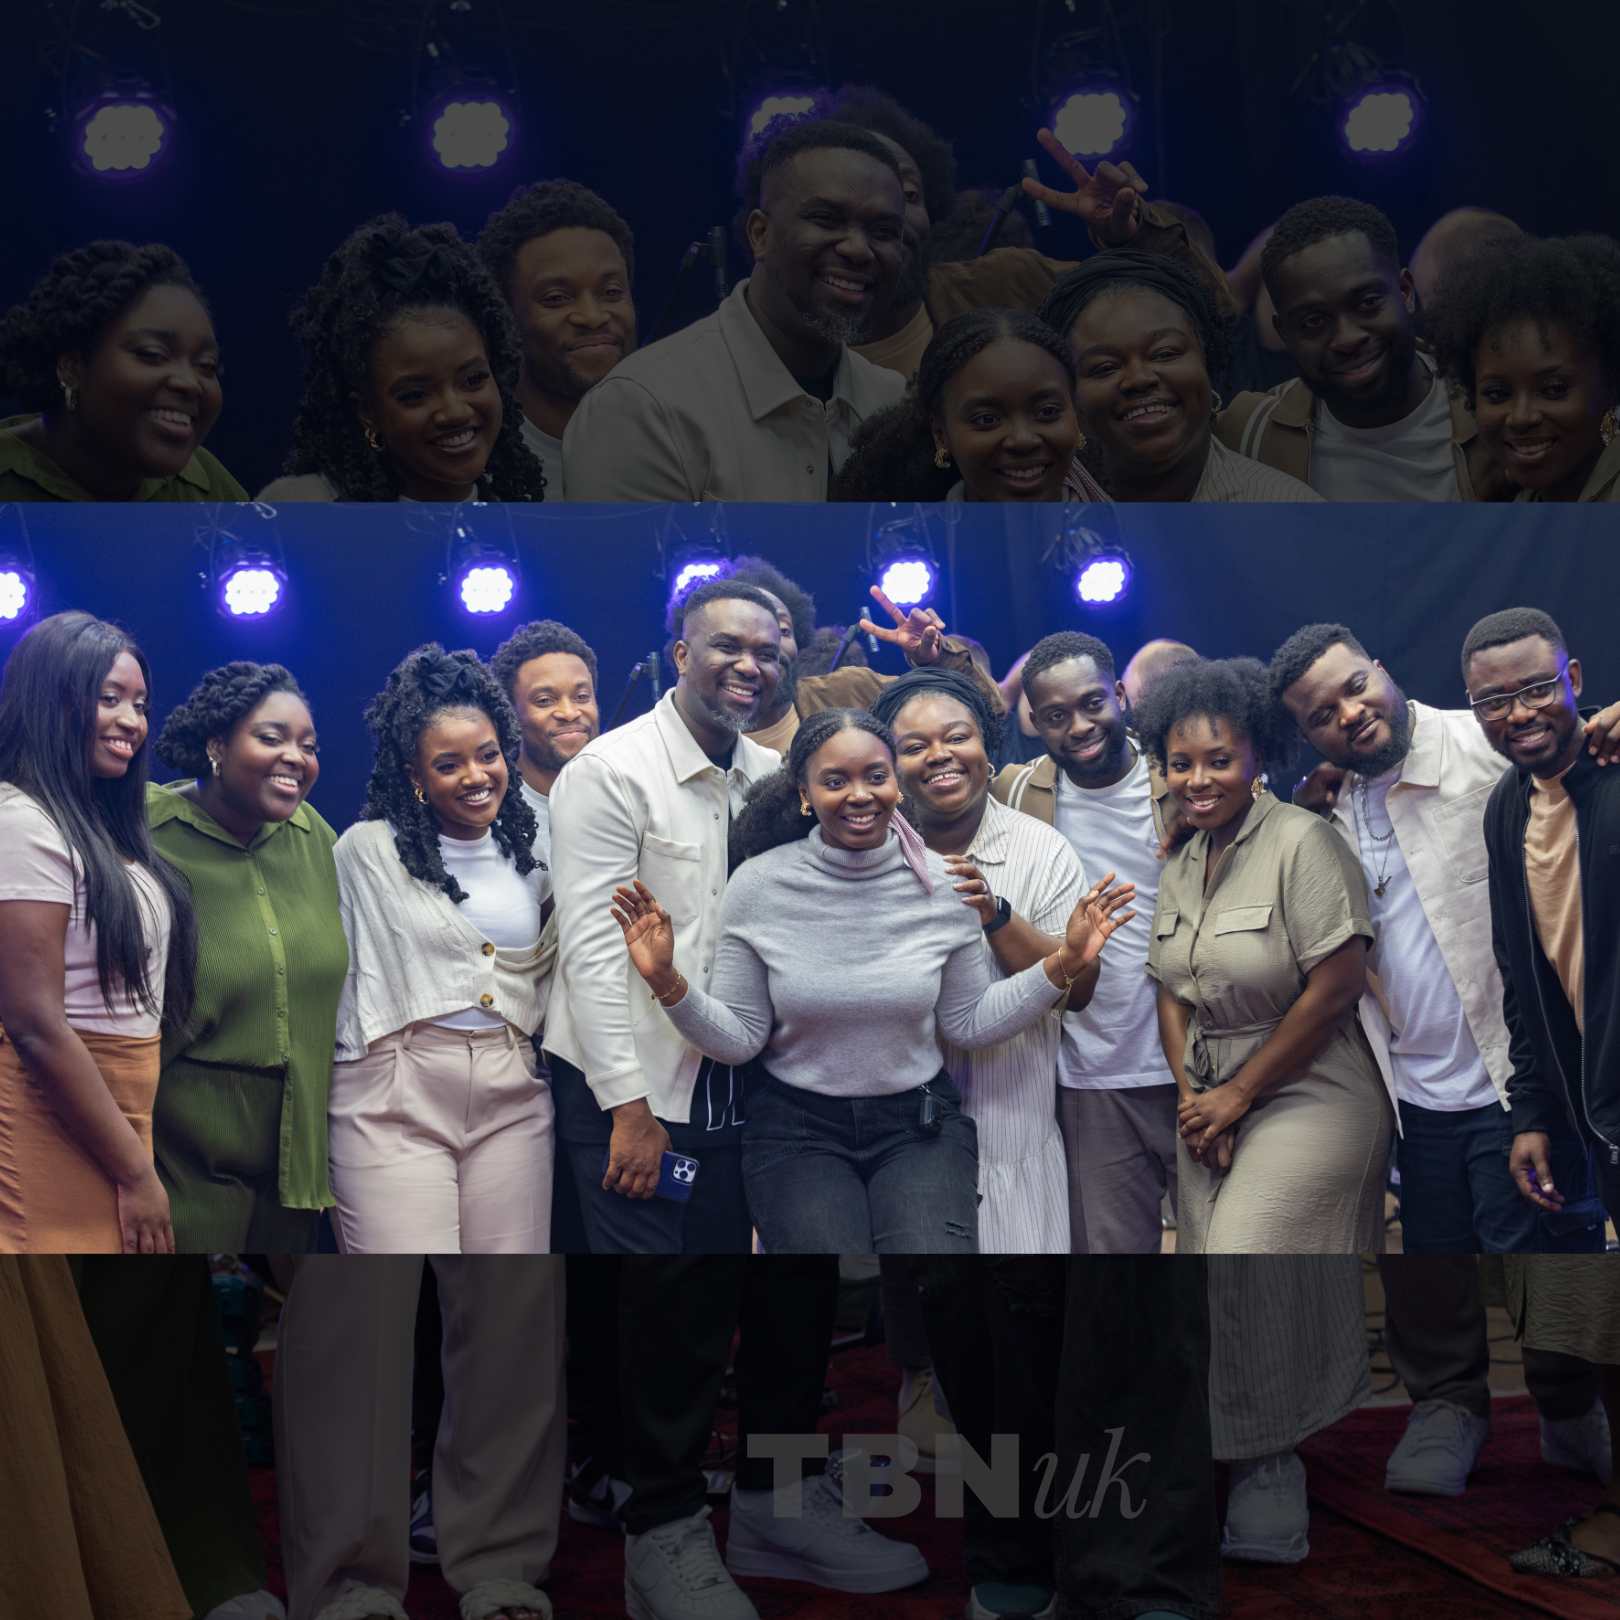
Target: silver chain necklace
[(1384, 861)]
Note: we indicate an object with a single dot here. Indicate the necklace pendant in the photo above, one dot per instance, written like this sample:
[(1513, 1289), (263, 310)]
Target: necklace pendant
[(1379, 891)]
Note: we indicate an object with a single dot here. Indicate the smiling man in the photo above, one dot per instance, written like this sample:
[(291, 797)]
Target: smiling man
[(758, 401), (565, 260)]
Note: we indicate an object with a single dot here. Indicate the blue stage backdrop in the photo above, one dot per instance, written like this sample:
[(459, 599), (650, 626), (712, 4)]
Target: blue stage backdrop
[(364, 585)]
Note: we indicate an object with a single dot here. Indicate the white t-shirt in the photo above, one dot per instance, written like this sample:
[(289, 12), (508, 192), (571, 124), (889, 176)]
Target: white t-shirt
[(38, 865), (501, 904), (548, 452), (541, 805), (1432, 1050), (1408, 460), (1114, 1043)]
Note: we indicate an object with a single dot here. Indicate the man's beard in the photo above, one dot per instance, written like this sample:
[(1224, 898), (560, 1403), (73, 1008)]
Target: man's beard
[(553, 377), (833, 328), (722, 718), (1394, 751), (547, 757)]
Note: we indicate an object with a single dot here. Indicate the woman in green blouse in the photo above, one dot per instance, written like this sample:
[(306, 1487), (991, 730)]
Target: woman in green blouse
[(240, 1121)]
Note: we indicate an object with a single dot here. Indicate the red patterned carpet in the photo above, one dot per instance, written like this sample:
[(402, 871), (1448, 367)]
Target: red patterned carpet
[(1372, 1554)]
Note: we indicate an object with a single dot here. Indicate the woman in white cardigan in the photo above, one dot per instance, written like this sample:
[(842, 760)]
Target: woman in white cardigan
[(441, 1118)]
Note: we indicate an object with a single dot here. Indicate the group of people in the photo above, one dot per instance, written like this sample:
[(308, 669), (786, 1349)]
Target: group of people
[(787, 961), (853, 362)]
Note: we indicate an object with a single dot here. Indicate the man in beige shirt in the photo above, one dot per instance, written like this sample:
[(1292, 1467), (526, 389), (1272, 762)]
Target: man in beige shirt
[(759, 401)]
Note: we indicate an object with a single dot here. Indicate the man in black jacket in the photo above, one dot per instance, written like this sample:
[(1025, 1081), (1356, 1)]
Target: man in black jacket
[(1552, 830)]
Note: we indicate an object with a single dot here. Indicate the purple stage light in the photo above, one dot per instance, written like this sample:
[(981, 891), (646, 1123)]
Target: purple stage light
[(14, 593), (249, 590), (908, 581), (793, 104), (1379, 120), (1092, 120), (1102, 579), (487, 587), (471, 132), (120, 137)]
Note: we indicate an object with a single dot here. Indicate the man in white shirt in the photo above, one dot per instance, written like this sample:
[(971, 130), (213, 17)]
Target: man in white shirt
[(758, 402), (1411, 803), (1116, 1099), (564, 259)]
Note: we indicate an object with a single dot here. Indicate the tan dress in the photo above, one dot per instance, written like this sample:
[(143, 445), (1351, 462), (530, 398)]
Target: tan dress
[(80, 1539), (1311, 1157)]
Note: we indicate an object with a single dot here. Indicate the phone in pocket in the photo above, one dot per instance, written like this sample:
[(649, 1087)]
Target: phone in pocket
[(677, 1175)]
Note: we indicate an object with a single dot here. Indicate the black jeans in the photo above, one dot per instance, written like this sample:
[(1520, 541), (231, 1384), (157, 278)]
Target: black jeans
[(1138, 1532), (858, 1175), (995, 1328), (677, 1318), (713, 1221)]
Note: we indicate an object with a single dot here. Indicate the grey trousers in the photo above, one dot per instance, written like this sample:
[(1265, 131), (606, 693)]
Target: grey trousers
[(343, 1417), (1121, 1148), (1434, 1326)]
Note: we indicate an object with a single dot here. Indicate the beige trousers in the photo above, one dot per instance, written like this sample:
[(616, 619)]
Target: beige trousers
[(343, 1414)]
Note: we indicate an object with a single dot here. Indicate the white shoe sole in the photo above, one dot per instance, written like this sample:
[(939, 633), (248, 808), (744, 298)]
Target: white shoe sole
[(773, 1564), (1295, 1551), (638, 1608), (1417, 1485)]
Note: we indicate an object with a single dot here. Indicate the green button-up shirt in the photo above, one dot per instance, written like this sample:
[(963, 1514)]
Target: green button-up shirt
[(271, 960), (28, 474)]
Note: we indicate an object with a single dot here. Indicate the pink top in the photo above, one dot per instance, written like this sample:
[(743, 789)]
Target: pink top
[(38, 865)]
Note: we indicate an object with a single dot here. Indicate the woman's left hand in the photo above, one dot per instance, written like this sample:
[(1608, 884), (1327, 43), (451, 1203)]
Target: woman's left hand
[(973, 886), (1097, 917), (1203, 1117)]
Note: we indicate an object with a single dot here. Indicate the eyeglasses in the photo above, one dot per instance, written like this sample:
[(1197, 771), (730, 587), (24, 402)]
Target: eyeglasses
[(1532, 697)]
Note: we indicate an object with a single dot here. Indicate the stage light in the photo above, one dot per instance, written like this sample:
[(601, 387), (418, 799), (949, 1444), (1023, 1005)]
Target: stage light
[(908, 582), (789, 104), (470, 132), (692, 549), (900, 560), (484, 574), (1094, 120), (693, 573), (119, 137), (16, 588), (1098, 569), (1379, 120), (249, 581), (1104, 578)]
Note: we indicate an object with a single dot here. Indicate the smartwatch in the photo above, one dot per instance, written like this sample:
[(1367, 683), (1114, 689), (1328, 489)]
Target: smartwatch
[(1002, 917)]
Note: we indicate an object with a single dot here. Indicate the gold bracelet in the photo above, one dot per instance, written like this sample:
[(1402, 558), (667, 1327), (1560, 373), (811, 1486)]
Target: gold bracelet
[(1068, 984), (675, 991)]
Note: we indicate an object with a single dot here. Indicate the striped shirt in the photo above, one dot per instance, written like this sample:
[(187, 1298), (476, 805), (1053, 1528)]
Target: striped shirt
[(1228, 476), (1010, 1090)]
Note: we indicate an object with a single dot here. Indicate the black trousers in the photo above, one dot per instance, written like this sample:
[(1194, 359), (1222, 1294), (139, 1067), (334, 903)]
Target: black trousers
[(995, 1329), (677, 1319), (595, 1412), (1137, 1535)]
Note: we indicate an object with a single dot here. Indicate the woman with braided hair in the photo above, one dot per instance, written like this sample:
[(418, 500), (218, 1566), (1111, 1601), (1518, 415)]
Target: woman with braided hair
[(989, 417), (411, 373), (1149, 341), (845, 955), (240, 1123), (440, 1119), (114, 359)]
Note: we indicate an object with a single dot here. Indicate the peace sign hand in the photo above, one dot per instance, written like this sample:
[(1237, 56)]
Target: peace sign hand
[(917, 634), (1107, 199), (1096, 918)]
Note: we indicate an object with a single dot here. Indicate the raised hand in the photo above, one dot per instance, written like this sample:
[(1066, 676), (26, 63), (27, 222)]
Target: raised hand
[(648, 933), (1603, 735), (1107, 198), (917, 634), (1097, 917), (1320, 790), (973, 886)]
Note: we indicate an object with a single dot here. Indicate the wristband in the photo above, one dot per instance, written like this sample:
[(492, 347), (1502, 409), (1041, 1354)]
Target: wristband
[(1002, 917)]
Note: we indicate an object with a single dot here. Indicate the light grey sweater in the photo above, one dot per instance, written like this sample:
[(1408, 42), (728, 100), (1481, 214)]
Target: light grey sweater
[(841, 969)]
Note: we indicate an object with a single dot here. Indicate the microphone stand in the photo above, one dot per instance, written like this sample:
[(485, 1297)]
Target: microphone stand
[(648, 666), (1009, 198)]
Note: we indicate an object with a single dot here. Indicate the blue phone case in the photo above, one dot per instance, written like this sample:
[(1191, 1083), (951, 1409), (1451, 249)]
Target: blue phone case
[(677, 1173)]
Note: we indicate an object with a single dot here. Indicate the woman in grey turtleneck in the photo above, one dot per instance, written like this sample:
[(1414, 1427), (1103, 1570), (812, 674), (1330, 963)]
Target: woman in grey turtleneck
[(845, 955)]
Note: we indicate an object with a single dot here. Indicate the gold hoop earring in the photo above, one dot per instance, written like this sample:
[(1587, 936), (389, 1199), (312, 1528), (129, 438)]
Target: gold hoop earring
[(804, 808), (372, 439), (1257, 787), (1608, 427), (421, 797), (1079, 442), (1216, 403), (942, 457)]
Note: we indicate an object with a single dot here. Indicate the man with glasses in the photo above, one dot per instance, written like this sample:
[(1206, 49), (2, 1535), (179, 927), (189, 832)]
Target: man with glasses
[(1552, 829)]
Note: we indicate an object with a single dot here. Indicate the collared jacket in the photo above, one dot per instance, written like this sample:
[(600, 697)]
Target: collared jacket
[(641, 801), (1437, 808), (1032, 788), (1558, 1078), (710, 413)]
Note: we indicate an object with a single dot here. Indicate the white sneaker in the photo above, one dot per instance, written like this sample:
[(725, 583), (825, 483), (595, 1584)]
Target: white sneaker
[(1580, 1444), (823, 1545), (675, 1573), (1438, 1451), (250, 1606), (1267, 1516)]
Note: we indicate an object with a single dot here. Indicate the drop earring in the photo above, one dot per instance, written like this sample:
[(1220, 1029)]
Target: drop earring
[(1608, 427), (942, 457), (372, 439), (421, 797), (213, 759), (70, 395), (804, 807)]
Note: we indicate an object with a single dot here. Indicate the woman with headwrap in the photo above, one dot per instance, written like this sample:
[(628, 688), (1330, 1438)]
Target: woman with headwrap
[(411, 369), (440, 1119), (1149, 343), (845, 955)]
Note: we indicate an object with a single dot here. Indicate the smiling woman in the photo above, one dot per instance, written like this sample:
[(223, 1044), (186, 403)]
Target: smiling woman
[(411, 375), (115, 356)]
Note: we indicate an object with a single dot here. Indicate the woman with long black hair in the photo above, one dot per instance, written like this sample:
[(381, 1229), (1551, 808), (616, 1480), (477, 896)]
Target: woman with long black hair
[(440, 1118), (845, 954), (411, 370), (97, 947)]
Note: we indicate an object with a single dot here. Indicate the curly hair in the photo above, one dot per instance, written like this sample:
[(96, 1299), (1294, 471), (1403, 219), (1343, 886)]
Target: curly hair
[(957, 238), (424, 684), (382, 270), (69, 308), (770, 815), (1568, 281), (1119, 268), (869, 108), (1231, 689), (217, 702), (950, 683), (1510, 625), (1316, 220), (765, 576), (535, 640), (1060, 648), (1301, 650), (891, 455), (538, 210), (781, 141)]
